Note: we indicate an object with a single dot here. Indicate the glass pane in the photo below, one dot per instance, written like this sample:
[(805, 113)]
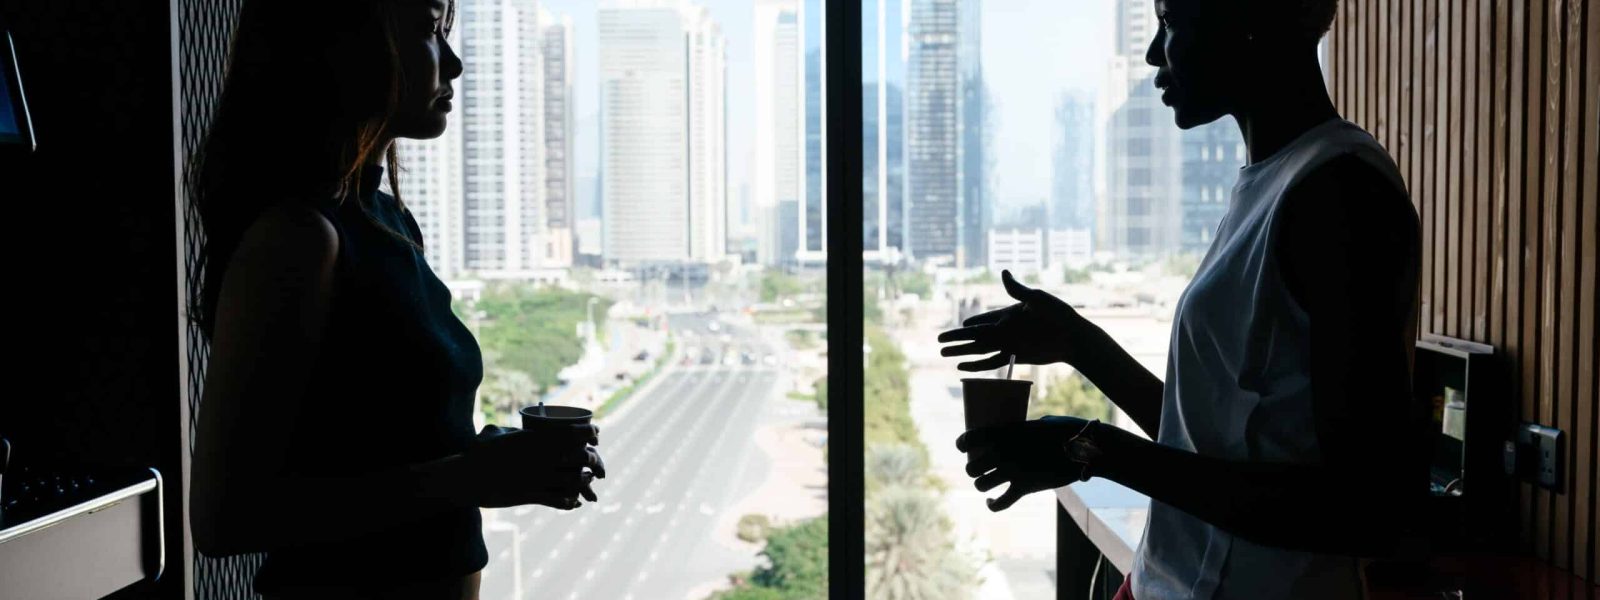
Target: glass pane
[(1020, 135), (627, 206)]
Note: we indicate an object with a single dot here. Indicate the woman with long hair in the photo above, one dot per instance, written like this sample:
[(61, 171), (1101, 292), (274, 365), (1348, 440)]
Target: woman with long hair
[(1284, 443), (335, 430)]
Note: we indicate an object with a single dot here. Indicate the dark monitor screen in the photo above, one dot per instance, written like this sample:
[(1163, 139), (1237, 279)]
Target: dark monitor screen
[(15, 127)]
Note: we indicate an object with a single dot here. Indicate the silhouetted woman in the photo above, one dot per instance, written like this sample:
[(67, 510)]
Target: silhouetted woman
[(335, 431), (1284, 439)]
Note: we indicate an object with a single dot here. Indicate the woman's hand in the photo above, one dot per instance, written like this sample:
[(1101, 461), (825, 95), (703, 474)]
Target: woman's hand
[(510, 467), (1030, 455), (1038, 329)]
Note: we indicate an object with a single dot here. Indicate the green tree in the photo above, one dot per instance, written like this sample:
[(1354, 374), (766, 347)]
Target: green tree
[(533, 330), (894, 464), (1071, 275), (777, 285), (909, 552), (797, 560), (1071, 396), (887, 395)]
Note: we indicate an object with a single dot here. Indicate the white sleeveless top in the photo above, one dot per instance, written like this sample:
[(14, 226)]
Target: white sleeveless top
[(1238, 386)]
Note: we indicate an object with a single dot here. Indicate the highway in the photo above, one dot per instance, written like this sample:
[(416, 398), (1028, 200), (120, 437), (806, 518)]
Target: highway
[(677, 454)]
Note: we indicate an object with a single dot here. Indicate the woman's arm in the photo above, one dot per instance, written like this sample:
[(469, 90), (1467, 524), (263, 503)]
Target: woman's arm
[(1348, 255), (1123, 380)]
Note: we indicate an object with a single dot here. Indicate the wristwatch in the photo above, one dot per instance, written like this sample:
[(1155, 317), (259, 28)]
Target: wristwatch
[(1082, 449)]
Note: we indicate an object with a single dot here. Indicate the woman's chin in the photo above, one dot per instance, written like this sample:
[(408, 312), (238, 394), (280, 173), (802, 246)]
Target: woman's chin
[(1188, 117), (427, 128)]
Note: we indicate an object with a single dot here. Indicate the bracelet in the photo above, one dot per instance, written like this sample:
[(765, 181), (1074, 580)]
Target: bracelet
[(1081, 449)]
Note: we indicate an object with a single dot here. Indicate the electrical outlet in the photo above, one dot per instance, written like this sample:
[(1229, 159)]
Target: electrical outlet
[(1545, 445)]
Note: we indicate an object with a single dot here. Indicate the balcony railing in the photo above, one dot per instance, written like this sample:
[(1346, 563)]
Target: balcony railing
[(1098, 526)]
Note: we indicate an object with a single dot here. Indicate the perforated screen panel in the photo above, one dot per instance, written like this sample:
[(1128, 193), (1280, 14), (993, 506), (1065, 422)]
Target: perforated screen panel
[(204, 28)]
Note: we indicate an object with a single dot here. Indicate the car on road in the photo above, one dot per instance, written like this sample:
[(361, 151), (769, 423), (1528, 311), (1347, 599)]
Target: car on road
[(642, 356), (714, 326)]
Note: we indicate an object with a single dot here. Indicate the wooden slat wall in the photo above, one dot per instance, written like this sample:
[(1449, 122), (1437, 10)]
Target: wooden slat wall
[(1491, 108)]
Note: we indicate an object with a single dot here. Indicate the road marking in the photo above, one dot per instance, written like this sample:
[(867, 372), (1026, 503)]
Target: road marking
[(503, 554), (568, 537), (537, 573), (588, 574)]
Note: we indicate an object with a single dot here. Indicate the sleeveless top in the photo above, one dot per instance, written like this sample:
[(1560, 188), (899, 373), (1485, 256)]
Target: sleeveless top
[(1238, 386), (393, 385)]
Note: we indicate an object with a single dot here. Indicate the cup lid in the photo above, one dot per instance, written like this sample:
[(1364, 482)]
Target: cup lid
[(556, 412), (993, 380)]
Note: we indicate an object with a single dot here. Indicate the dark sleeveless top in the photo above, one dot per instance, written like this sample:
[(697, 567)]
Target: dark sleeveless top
[(393, 385)]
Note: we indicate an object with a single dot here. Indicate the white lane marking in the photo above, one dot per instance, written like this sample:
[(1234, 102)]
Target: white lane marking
[(537, 573)]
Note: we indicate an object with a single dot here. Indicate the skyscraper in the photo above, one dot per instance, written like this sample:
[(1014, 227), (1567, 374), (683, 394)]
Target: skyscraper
[(813, 235), (779, 159), (883, 138), (1212, 155), (1072, 180), (974, 200), (662, 132), (501, 119), (933, 130), (707, 130), (557, 52), (1139, 213)]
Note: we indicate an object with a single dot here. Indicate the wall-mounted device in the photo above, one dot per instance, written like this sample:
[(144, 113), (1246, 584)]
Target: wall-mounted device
[(16, 126), (1460, 384)]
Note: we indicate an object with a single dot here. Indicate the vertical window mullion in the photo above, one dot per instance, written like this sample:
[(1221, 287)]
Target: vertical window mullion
[(847, 495)]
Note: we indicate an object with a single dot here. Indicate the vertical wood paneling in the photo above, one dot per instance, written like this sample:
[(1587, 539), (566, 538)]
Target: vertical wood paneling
[(1490, 109), (1482, 176), (1589, 353)]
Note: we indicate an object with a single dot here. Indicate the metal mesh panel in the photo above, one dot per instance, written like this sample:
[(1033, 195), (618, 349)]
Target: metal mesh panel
[(204, 28)]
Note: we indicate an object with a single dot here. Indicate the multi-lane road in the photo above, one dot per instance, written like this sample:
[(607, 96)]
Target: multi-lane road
[(678, 454)]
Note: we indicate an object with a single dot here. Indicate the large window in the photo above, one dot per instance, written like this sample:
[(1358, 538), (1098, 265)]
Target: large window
[(628, 206), (637, 205)]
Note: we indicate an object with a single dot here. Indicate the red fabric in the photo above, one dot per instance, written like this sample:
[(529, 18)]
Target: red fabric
[(1125, 592)]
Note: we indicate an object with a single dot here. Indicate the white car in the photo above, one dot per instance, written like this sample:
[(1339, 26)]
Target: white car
[(769, 360)]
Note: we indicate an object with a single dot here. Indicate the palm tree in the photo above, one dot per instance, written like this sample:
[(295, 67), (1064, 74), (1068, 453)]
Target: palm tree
[(909, 552), (894, 464)]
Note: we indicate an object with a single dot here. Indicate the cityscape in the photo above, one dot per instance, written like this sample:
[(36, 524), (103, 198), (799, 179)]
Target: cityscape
[(629, 208)]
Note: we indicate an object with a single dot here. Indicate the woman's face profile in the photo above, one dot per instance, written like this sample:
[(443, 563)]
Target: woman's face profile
[(429, 65), (1199, 52)]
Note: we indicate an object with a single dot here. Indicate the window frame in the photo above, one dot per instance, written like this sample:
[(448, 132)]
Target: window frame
[(844, 206)]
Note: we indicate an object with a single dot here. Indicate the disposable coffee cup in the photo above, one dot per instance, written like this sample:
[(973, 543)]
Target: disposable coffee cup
[(995, 401), (547, 416)]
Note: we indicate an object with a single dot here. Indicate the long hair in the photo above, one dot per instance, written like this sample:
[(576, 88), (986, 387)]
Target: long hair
[(307, 99)]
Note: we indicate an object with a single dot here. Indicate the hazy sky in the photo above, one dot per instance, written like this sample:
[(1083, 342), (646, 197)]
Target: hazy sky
[(1033, 51)]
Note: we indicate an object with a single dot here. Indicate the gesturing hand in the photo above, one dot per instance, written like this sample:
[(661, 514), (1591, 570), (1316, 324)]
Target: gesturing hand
[(510, 467), (1030, 455), (1038, 330)]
